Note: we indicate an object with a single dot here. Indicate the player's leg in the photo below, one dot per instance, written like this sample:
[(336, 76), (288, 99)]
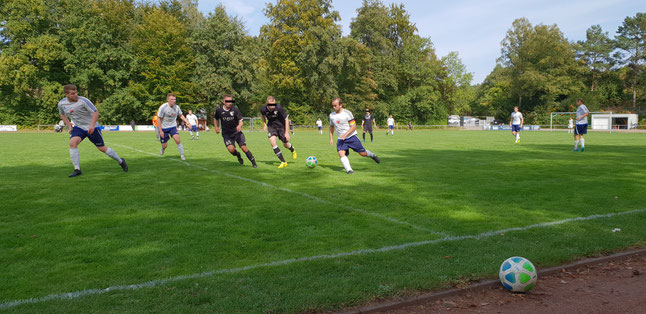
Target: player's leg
[(97, 139), (197, 132), (582, 132), (75, 140), (164, 140), (364, 135), (242, 142), (354, 143), (371, 137), (289, 146), (279, 154), (180, 147)]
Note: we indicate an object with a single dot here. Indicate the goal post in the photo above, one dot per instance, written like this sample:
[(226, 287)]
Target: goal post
[(553, 114)]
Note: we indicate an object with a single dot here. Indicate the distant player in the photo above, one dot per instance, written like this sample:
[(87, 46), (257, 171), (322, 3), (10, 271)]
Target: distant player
[(274, 119), (516, 123), (86, 122), (192, 120), (346, 129), (410, 126), (391, 125), (367, 123), (582, 114), (231, 119), (319, 124), (156, 125), (168, 113), (570, 125), (291, 126)]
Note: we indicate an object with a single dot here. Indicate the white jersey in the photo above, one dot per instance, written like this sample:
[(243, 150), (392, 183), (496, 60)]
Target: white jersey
[(168, 115), (516, 117), (391, 121), (342, 122), (581, 111), (570, 123), (319, 123), (192, 119), (80, 112)]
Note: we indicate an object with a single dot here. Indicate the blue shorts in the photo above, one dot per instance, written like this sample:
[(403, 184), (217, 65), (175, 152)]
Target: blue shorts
[(194, 128), (515, 127), (390, 127), (351, 142), (95, 137), (582, 129), (320, 128), (168, 133)]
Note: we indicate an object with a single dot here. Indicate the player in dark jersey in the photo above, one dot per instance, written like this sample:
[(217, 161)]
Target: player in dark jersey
[(367, 123), (275, 118), (231, 119)]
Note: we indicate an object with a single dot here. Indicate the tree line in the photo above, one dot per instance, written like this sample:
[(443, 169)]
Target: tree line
[(127, 55)]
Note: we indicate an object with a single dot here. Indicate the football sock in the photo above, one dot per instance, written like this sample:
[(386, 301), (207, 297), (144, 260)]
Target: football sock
[(582, 143), (191, 133), (364, 137), (517, 136), (279, 154), (180, 147), (250, 157), (346, 163), (235, 153), (197, 134), (370, 137), (576, 144), (74, 155), (370, 154), (291, 148), (110, 152)]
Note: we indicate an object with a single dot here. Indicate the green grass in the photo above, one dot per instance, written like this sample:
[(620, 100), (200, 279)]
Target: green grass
[(165, 218)]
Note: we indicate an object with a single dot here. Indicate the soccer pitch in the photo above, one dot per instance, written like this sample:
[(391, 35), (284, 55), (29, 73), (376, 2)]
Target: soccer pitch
[(443, 207)]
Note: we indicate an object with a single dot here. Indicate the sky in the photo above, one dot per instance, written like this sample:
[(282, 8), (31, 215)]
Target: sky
[(473, 28)]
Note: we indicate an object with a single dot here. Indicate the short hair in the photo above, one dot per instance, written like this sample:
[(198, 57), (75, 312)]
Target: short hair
[(579, 99), (271, 99), (516, 107), (171, 94), (68, 88), (338, 99), (227, 96)]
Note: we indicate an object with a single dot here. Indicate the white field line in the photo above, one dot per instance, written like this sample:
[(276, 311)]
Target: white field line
[(317, 199), (161, 282)]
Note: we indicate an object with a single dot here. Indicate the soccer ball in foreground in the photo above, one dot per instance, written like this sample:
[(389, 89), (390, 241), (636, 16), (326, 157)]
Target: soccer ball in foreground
[(518, 274), (311, 162)]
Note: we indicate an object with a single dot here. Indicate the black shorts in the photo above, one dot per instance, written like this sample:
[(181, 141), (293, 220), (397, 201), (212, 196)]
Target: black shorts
[(369, 130), (230, 139), (277, 132)]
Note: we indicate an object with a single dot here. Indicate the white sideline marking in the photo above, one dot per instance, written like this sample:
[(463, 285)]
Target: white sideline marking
[(161, 282), (320, 200)]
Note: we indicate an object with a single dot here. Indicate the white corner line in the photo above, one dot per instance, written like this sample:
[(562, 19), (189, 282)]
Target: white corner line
[(161, 282)]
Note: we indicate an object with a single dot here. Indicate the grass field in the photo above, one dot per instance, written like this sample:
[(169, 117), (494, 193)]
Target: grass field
[(443, 207)]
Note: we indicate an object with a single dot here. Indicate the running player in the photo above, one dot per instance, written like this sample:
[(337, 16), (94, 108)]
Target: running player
[(516, 123), (274, 119), (346, 129), (391, 125), (231, 119), (86, 122), (319, 124), (581, 129), (192, 120), (367, 123), (167, 114)]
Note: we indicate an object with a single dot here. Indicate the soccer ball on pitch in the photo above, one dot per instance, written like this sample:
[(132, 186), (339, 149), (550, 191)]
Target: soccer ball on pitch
[(518, 274), (311, 162)]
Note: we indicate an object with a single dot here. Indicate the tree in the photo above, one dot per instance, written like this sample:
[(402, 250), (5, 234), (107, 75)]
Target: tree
[(595, 53), (459, 93), (631, 38)]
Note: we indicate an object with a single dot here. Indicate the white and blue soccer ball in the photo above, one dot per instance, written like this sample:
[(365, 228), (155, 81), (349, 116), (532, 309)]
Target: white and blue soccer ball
[(518, 274), (311, 162)]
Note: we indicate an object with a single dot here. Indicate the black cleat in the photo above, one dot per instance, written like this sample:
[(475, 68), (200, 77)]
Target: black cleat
[(240, 160), (350, 172), (76, 173), (376, 159), (254, 165), (123, 165)]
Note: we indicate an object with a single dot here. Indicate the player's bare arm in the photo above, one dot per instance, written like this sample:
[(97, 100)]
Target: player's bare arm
[(216, 125), (286, 129), (353, 127), (264, 123), (185, 121), (331, 134), (95, 118), (239, 127), (67, 122)]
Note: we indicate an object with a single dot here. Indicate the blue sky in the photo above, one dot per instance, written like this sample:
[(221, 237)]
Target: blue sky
[(473, 28)]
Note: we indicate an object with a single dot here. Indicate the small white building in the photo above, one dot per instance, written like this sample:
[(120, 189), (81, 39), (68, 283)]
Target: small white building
[(621, 121)]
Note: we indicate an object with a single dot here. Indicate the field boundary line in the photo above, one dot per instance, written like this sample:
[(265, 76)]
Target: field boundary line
[(161, 282), (312, 197)]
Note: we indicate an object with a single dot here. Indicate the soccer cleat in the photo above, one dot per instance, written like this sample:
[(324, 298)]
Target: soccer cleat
[(575, 150), (282, 165), (582, 148), (240, 160), (76, 173), (256, 166), (350, 172), (294, 155), (161, 152), (123, 165), (182, 157), (376, 159)]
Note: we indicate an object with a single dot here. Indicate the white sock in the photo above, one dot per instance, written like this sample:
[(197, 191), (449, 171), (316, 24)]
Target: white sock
[(74, 155), (346, 163), (370, 154), (582, 142), (191, 133), (517, 136), (197, 134), (113, 154), (576, 144), (180, 147)]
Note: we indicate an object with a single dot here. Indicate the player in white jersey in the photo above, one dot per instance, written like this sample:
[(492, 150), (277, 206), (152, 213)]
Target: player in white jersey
[(516, 123), (346, 129), (391, 125), (192, 120), (167, 115), (319, 124), (85, 117), (570, 125), (581, 129)]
